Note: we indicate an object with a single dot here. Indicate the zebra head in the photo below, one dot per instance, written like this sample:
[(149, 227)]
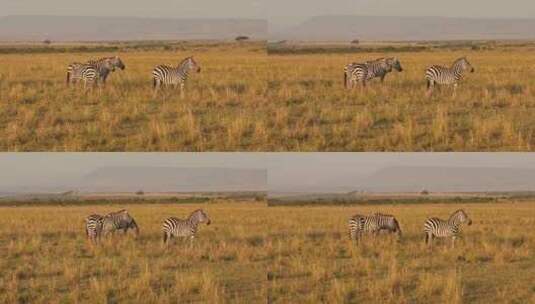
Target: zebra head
[(117, 62), (200, 216), (462, 64), (190, 65), (460, 217), (395, 64), (107, 65)]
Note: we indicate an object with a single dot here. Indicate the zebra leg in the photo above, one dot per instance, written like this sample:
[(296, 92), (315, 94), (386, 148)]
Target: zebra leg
[(454, 90), (181, 90), (165, 238), (453, 242), (430, 87)]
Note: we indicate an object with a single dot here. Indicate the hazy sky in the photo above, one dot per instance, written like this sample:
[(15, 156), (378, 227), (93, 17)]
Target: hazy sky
[(325, 172), (284, 12), (286, 171), (142, 8), (20, 169)]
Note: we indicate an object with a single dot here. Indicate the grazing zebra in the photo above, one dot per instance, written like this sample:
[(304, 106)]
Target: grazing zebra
[(363, 72), (447, 76), (175, 227), (120, 220), (359, 224), (88, 73), (435, 227), (93, 227), (175, 76), (103, 68)]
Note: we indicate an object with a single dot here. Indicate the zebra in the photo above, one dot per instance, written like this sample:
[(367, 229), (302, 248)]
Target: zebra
[(435, 227), (119, 220), (102, 66), (175, 76), (93, 227), (103, 69), (88, 73), (175, 227), (359, 224), (363, 72), (437, 74)]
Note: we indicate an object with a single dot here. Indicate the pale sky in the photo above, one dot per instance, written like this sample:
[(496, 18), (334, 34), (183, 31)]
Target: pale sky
[(290, 12), (141, 8)]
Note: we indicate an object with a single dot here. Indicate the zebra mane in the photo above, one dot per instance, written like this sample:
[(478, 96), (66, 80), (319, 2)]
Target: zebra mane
[(456, 62), (183, 62), (454, 214)]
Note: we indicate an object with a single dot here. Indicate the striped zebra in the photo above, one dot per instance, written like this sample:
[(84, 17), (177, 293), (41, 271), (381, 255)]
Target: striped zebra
[(93, 227), (360, 224), (364, 72), (115, 62), (120, 220), (93, 70), (87, 73), (164, 75), (175, 227), (435, 227), (441, 75)]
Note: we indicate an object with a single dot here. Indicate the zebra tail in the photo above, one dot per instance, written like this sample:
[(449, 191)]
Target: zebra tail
[(154, 82), (428, 83), (345, 80), (165, 238), (68, 78)]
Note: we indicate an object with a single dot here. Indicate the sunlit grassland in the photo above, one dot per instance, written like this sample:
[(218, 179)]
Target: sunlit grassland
[(493, 262), (46, 258), (493, 109), (222, 109)]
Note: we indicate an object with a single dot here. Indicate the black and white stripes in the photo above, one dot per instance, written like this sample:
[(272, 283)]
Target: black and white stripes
[(364, 72), (93, 227), (175, 227), (362, 224), (435, 227), (120, 220), (93, 71), (441, 75), (164, 75)]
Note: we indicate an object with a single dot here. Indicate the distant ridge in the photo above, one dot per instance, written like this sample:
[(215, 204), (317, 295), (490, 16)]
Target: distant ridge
[(167, 179), (347, 28), (449, 179), (87, 28)]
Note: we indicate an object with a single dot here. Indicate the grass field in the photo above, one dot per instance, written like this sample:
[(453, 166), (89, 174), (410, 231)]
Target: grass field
[(46, 258), (492, 110), (219, 112), (316, 263), (244, 100)]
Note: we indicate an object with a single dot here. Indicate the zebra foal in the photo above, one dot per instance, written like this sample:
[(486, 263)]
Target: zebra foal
[(93, 227), (441, 75), (175, 227), (435, 227), (164, 75)]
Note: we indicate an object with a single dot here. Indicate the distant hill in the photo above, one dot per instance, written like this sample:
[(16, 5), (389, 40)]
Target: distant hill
[(449, 179), (347, 28), (166, 179), (65, 28)]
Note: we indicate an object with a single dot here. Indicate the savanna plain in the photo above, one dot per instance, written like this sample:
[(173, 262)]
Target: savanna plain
[(47, 259), (248, 99), (493, 262)]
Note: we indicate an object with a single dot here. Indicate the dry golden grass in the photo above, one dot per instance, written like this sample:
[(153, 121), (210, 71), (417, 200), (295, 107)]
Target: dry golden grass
[(315, 262), (492, 111), (46, 258), (245, 100), (219, 111)]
